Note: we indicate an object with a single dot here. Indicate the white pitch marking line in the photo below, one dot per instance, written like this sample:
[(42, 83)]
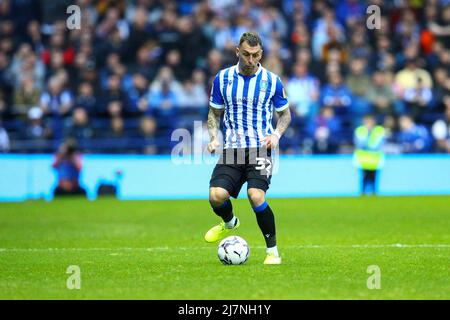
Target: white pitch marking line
[(150, 249)]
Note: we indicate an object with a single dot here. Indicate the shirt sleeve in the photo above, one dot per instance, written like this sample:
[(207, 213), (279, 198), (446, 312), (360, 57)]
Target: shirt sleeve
[(45, 99), (66, 97), (439, 130), (279, 99), (216, 99)]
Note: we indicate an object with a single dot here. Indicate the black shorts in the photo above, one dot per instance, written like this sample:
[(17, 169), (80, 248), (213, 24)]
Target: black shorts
[(237, 166)]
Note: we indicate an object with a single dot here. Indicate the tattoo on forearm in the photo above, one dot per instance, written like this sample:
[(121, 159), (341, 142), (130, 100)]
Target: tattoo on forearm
[(283, 121), (213, 123)]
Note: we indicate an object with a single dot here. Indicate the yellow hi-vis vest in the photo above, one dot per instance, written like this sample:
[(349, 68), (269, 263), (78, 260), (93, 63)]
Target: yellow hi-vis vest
[(370, 158)]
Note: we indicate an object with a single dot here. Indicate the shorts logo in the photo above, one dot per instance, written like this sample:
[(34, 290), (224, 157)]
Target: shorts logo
[(262, 165), (263, 84)]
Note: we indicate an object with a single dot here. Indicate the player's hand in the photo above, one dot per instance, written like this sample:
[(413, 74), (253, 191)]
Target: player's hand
[(271, 142), (213, 145)]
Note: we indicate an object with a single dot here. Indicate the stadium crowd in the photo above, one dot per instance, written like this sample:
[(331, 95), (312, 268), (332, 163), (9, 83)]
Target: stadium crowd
[(136, 70)]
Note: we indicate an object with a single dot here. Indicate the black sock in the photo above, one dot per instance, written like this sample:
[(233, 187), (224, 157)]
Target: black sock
[(369, 177), (225, 210), (266, 222)]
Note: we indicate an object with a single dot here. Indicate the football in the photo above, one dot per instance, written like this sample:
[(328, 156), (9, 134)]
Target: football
[(233, 250)]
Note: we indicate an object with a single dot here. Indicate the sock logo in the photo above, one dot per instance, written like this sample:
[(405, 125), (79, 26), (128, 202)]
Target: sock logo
[(267, 235)]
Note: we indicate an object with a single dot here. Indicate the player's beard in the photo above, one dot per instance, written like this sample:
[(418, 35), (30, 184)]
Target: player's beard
[(248, 69)]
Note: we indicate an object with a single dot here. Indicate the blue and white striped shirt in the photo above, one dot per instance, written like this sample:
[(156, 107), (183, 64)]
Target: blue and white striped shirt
[(248, 102)]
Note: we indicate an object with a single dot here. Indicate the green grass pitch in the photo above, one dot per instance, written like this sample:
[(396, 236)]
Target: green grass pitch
[(155, 250)]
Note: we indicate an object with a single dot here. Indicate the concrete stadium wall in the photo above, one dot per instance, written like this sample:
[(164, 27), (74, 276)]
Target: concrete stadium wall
[(158, 177)]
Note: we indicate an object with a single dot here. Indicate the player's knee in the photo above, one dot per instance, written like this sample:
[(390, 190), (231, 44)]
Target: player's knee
[(217, 196), (256, 196)]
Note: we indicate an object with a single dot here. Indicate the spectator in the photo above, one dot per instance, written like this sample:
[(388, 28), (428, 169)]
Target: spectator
[(113, 95), (272, 59), (147, 131), (37, 129), (440, 88), (139, 32), (441, 130), (25, 64), (147, 60), (34, 36), (25, 97), (56, 101), (165, 75), (382, 53), (174, 62), (303, 91), (408, 77), (113, 70), (413, 137), (324, 130), (359, 83), (115, 109), (407, 29), (195, 44), (166, 29), (117, 128), (4, 139), (164, 97), (58, 46), (3, 104), (86, 98), (417, 99), (327, 30), (136, 95), (215, 61), (349, 12), (112, 20), (193, 95), (359, 47), (118, 136), (164, 101), (194, 92), (79, 127), (336, 95), (68, 166), (380, 95)]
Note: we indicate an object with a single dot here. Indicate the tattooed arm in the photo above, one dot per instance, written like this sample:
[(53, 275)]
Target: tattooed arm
[(283, 121), (213, 128), (282, 124)]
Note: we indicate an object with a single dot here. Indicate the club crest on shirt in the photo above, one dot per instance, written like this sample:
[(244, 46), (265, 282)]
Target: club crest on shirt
[(230, 82), (263, 84)]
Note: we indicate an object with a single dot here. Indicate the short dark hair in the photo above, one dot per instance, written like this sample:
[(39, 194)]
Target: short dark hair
[(252, 38)]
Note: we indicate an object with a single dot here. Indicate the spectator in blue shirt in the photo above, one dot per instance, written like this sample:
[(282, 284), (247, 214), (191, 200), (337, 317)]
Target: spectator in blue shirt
[(136, 95), (56, 101), (412, 137), (418, 99), (163, 104), (336, 95), (303, 91), (324, 130), (4, 139)]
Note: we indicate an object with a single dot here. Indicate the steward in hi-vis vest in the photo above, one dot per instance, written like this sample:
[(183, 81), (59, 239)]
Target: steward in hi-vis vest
[(369, 156)]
